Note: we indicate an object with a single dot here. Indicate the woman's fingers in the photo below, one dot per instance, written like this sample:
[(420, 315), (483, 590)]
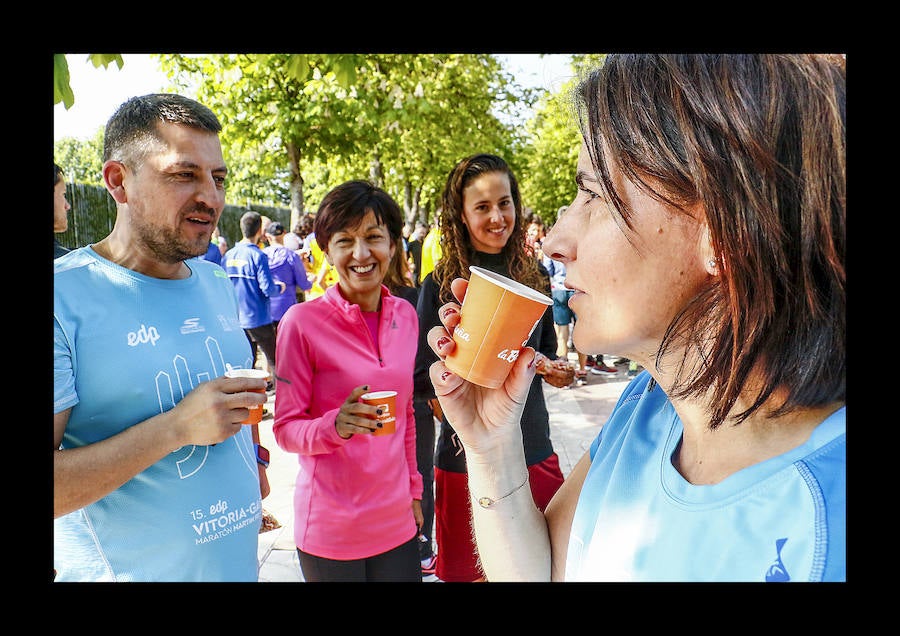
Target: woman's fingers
[(440, 341), (439, 338), (443, 379), (459, 286), (355, 416)]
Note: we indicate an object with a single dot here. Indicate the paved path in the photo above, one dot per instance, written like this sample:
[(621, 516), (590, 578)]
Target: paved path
[(576, 415)]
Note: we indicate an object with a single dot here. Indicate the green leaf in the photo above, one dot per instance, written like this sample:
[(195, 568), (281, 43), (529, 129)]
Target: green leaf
[(298, 67), (345, 71), (105, 59), (62, 92)]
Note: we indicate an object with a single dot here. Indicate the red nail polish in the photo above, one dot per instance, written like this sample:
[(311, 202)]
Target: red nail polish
[(442, 342), (448, 311), (445, 375)]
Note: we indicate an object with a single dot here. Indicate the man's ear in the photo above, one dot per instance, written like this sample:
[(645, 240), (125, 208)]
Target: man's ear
[(114, 180)]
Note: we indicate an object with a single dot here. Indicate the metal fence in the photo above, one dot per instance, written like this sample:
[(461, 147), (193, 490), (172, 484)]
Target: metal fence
[(93, 215)]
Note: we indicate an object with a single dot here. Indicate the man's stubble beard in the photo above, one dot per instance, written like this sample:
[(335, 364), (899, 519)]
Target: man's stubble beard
[(167, 245)]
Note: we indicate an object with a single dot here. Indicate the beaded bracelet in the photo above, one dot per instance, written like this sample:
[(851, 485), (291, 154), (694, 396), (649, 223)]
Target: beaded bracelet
[(487, 502)]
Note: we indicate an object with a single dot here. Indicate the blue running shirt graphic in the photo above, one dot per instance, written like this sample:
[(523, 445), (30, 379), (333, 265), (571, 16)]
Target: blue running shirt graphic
[(777, 573)]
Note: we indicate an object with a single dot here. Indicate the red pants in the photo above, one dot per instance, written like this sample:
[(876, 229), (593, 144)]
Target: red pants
[(457, 556)]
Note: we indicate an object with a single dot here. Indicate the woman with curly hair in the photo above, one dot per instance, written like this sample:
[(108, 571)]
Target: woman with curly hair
[(481, 224)]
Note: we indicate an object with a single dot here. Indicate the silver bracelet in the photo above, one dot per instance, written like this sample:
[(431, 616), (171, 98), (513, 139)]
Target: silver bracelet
[(487, 502)]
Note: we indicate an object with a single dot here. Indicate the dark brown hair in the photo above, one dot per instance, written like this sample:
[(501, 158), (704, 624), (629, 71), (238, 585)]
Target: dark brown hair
[(133, 127), (456, 246), (759, 142), (346, 205), (397, 275)]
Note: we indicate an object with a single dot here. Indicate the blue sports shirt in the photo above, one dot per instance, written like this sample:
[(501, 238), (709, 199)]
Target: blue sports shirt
[(248, 269), (127, 347), (638, 519)]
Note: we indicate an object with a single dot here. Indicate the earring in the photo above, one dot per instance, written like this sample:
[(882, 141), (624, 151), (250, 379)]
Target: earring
[(712, 263)]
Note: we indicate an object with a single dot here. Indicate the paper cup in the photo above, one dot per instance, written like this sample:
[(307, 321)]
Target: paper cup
[(387, 400), (496, 318), (256, 412)]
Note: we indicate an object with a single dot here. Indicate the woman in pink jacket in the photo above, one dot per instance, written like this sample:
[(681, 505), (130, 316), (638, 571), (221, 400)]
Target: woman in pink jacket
[(357, 502)]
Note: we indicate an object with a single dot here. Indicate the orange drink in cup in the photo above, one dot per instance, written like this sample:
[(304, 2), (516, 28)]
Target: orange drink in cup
[(387, 400), (497, 316), (256, 412)]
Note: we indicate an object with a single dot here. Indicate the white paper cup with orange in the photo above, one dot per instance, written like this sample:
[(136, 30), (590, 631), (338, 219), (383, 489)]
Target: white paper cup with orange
[(256, 412), (387, 400), (497, 316)]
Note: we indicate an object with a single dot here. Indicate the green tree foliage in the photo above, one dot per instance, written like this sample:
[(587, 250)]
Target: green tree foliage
[(551, 156), (439, 109), (82, 161), (300, 124), (279, 113), (296, 125)]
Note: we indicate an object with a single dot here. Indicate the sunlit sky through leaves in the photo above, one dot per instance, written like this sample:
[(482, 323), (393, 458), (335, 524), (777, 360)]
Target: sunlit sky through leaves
[(98, 91)]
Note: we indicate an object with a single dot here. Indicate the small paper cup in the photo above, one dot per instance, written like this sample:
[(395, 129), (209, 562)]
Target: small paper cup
[(387, 400), (497, 316), (256, 412)]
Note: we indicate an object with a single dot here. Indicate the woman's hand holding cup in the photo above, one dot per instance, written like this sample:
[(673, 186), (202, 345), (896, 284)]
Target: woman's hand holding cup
[(483, 418)]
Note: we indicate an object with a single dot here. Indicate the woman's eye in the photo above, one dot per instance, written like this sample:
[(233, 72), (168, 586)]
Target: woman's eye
[(590, 193)]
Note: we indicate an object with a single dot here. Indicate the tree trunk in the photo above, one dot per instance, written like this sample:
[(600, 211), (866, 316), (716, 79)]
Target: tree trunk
[(297, 203)]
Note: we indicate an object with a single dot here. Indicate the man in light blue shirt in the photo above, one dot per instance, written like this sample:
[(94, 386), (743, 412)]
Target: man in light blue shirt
[(155, 478)]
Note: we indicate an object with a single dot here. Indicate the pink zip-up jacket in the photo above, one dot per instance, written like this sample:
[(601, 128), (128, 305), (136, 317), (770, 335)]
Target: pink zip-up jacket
[(353, 497)]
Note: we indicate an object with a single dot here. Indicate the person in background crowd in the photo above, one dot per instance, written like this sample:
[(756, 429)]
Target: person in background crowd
[(213, 252), (431, 249), (292, 240), (154, 476), (601, 368), (324, 274), (717, 186), (414, 249), (534, 234), (301, 233), (262, 241), (298, 240), (61, 209), (562, 314), (357, 501), (482, 224), (286, 268), (221, 240), (248, 268)]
